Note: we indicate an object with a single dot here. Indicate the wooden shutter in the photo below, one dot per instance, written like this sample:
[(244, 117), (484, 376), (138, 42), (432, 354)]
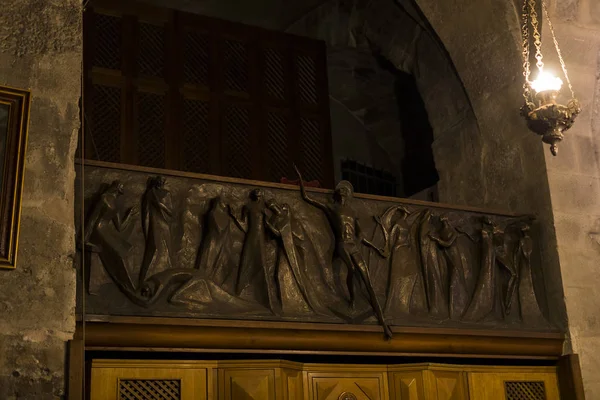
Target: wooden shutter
[(104, 95), (127, 101), (182, 91)]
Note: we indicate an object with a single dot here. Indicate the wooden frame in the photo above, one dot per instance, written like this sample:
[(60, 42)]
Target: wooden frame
[(14, 120), (149, 334), (116, 333), (570, 380)]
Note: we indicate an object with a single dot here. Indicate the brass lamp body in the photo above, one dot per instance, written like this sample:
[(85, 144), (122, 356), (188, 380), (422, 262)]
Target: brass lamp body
[(549, 119)]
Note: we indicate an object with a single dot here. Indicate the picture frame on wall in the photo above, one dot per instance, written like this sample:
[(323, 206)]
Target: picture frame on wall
[(14, 122)]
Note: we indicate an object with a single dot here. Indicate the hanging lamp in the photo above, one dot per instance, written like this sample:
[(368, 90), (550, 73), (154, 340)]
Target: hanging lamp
[(544, 115)]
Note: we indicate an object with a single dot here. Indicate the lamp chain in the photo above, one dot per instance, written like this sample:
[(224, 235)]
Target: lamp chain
[(526, 51), (537, 38), (560, 57)]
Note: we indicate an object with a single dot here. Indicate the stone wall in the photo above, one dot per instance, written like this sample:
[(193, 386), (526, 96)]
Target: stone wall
[(574, 178), (506, 161), (40, 49), (563, 191)]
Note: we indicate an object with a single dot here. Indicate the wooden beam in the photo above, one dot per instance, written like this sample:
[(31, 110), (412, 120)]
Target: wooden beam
[(276, 337), (76, 366)]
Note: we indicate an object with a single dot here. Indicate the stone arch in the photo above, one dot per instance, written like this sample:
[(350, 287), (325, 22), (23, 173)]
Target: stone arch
[(484, 44), (398, 33), (486, 156)]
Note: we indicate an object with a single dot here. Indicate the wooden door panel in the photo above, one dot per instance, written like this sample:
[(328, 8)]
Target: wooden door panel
[(252, 384), (347, 386), (449, 385), (132, 381), (513, 386), (407, 386)]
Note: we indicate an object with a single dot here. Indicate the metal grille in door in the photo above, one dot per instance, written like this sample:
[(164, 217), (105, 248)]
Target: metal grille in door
[(196, 58), (237, 142), (151, 133), (525, 390), (274, 78), (307, 79), (311, 142), (236, 72), (152, 50), (196, 146), (149, 389), (277, 146), (107, 52), (104, 123)]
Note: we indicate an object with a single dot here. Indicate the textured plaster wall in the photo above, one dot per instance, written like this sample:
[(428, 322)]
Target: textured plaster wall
[(574, 178), (40, 49)]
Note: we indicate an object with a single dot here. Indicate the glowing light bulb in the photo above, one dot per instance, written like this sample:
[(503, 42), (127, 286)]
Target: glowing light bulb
[(545, 82)]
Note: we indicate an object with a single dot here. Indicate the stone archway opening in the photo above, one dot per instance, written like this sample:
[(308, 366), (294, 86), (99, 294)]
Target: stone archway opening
[(390, 71), (419, 173)]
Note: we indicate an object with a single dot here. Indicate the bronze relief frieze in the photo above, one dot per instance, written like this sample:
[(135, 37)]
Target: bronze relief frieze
[(194, 247)]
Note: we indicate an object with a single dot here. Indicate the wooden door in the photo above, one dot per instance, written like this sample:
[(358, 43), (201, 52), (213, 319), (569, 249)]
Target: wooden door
[(134, 380)]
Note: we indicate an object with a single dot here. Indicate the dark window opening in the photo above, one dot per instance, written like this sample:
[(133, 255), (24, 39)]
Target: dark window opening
[(418, 165)]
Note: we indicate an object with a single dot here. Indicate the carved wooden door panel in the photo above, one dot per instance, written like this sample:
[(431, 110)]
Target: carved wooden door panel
[(447, 385), (513, 385), (247, 384), (283, 380), (407, 385), (347, 386), (150, 380)]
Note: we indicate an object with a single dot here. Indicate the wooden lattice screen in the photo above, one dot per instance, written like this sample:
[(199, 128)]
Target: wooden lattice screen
[(175, 90)]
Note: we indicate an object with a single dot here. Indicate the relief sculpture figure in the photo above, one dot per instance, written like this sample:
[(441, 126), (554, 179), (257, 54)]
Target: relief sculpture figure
[(292, 283), (192, 292), (435, 271), (530, 308), (106, 233), (254, 273), (482, 302), (157, 216), (505, 249), (447, 239), (348, 237), (404, 282), (214, 259)]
